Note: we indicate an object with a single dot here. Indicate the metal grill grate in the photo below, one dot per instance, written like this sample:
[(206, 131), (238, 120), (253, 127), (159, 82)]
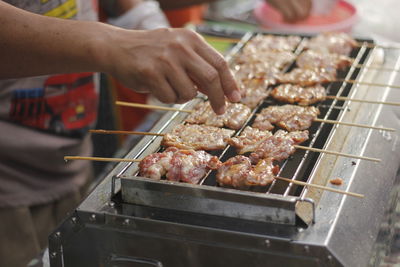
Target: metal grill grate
[(278, 197)]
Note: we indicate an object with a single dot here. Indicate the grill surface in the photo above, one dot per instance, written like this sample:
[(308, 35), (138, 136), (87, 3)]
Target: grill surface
[(132, 221), (276, 203)]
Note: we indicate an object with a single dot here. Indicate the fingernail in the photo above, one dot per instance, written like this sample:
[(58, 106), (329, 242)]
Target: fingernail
[(235, 96), (221, 110)]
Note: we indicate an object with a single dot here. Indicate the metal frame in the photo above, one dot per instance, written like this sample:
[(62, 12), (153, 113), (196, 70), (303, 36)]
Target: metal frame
[(105, 231), (271, 206)]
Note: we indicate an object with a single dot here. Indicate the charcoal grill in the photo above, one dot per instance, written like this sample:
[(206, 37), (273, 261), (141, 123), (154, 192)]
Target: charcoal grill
[(134, 221)]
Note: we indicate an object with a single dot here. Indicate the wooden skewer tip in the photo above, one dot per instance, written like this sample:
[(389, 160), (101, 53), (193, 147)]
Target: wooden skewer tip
[(138, 105), (320, 187)]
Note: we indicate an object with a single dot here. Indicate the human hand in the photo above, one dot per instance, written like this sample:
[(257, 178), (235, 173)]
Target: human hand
[(172, 64), (292, 10)]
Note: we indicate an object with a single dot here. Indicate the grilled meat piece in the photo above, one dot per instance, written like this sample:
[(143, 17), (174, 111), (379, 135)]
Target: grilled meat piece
[(234, 117), (288, 117), (238, 172), (156, 165), (279, 146), (249, 139), (292, 93), (262, 43), (261, 71), (197, 137), (187, 166), (265, 59), (307, 77), (332, 42), (190, 166), (253, 91), (311, 59)]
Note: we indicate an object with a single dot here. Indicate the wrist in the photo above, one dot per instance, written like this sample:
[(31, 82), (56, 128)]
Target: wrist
[(100, 42), (111, 45)]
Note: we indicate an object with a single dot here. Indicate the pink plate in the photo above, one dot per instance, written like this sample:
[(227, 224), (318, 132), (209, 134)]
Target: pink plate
[(342, 18)]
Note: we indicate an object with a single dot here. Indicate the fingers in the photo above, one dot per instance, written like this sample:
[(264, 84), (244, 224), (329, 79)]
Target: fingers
[(217, 61), (208, 80), (163, 91), (171, 63), (182, 85)]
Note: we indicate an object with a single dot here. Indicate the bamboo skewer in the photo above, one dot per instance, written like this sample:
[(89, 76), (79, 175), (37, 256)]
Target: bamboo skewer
[(336, 153), (320, 187), (137, 105), (361, 66), (362, 100), (356, 125), (296, 146), (66, 158), (123, 132), (366, 83), (371, 45), (317, 120)]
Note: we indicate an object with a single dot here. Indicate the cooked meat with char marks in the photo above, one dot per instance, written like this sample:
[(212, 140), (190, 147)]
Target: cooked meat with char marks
[(187, 166), (288, 117), (260, 71), (265, 59), (156, 165), (253, 91), (197, 137), (234, 117), (332, 42), (261, 43), (238, 172), (307, 77), (311, 59), (190, 166), (249, 139), (279, 146), (304, 96)]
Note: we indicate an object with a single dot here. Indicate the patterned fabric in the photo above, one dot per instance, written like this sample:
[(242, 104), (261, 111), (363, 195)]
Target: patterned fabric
[(63, 104), (44, 118)]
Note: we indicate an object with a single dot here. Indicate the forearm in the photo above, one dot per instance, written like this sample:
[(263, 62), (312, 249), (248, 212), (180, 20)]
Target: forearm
[(173, 4), (33, 45), (170, 63)]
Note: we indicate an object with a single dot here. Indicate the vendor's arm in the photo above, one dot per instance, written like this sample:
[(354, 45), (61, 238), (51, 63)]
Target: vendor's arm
[(168, 63)]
